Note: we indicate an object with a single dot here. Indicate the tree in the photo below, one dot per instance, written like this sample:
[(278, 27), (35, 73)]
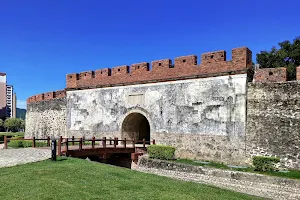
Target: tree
[(1, 124), (288, 55), (13, 124)]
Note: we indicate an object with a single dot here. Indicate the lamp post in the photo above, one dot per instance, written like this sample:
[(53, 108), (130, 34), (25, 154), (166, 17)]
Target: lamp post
[(53, 149)]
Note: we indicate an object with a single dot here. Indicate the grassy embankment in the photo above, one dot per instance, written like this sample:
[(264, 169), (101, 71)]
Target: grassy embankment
[(79, 179), (294, 174)]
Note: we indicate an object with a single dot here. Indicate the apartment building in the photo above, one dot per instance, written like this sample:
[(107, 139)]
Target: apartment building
[(7, 98), (2, 95)]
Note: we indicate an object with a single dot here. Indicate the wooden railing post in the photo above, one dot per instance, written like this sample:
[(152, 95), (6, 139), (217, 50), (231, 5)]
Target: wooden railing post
[(5, 142), (33, 142), (153, 142), (73, 138), (125, 143), (48, 141), (66, 146), (115, 142), (104, 142), (59, 146), (144, 142), (80, 144), (110, 140), (93, 142), (133, 143)]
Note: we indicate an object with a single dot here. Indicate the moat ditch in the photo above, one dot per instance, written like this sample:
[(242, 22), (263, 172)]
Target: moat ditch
[(117, 159)]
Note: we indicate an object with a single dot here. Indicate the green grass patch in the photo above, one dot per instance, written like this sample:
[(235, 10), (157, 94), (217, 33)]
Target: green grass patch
[(25, 143), (80, 179), (210, 164), (293, 174), (10, 134)]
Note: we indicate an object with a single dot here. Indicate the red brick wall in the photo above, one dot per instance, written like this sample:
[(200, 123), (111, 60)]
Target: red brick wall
[(47, 96), (298, 73), (213, 64), (270, 75)]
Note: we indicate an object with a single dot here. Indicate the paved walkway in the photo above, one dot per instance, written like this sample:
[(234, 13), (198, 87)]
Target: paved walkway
[(12, 157)]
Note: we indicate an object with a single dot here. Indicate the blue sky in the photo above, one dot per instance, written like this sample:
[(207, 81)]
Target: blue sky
[(43, 40)]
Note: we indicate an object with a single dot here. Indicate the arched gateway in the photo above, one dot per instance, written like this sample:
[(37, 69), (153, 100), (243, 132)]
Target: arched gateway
[(136, 126)]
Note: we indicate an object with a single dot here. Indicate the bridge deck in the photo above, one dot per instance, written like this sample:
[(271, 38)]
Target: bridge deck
[(78, 147), (88, 150)]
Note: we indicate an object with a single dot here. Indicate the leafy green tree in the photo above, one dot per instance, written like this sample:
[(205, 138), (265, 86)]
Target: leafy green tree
[(1, 124), (13, 124), (288, 55)]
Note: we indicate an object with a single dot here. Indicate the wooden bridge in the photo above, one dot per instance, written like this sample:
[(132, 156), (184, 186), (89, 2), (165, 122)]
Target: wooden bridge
[(81, 147)]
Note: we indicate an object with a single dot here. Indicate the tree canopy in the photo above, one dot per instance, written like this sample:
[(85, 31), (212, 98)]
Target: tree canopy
[(14, 124), (288, 55)]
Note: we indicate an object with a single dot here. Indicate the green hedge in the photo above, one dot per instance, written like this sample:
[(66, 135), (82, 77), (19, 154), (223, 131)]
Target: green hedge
[(264, 164), (25, 143), (161, 152), (10, 134)]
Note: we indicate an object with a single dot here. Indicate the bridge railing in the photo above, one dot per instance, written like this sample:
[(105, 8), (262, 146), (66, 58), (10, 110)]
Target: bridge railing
[(34, 140), (82, 142), (63, 143)]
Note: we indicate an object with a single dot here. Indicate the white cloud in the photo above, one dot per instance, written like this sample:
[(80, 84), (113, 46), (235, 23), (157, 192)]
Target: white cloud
[(22, 104)]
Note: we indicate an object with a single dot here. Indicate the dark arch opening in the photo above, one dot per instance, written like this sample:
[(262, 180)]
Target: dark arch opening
[(136, 126)]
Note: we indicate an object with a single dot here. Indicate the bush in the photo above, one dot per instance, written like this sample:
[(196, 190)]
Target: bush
[(15, 143), (25, 143), (161, 152), (264, 164)]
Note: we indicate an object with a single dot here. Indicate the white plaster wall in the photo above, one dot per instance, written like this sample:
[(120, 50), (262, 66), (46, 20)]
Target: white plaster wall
[(208, 106)]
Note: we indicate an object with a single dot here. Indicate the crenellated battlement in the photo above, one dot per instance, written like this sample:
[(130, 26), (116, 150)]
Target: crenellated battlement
[(47, 96), (212, 64), (265, 75), (184, 67)]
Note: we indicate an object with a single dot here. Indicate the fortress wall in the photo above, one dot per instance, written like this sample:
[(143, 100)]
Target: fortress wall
[(203, 118), (267, 75), (212, 64), (273, 121), (46, 115)]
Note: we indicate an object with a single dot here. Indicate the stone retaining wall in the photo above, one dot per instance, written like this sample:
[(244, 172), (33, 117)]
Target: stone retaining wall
[(273, 121), (46, 118), (250, 183)]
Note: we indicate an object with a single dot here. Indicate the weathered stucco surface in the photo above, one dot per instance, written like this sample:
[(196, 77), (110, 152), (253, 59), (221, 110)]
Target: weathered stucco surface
[(203, 118), (46, 118), (273, 121)]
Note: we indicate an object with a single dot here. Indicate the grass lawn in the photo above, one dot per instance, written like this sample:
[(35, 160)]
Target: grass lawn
[(21, 134), (80, 179), (2, 134), (294, 174)]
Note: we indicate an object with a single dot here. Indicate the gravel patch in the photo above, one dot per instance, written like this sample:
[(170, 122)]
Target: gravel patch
[(12, 157)]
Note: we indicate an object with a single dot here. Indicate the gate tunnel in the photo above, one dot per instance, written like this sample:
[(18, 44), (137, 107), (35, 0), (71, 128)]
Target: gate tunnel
[(136, 126)]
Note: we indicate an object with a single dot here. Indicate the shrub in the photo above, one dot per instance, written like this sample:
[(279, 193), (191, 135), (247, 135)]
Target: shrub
[(15, 143), (161, 152), (25, 143), (264, 164)]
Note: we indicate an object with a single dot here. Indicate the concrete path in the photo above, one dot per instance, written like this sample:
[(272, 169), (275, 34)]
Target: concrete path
[(12, 157)]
